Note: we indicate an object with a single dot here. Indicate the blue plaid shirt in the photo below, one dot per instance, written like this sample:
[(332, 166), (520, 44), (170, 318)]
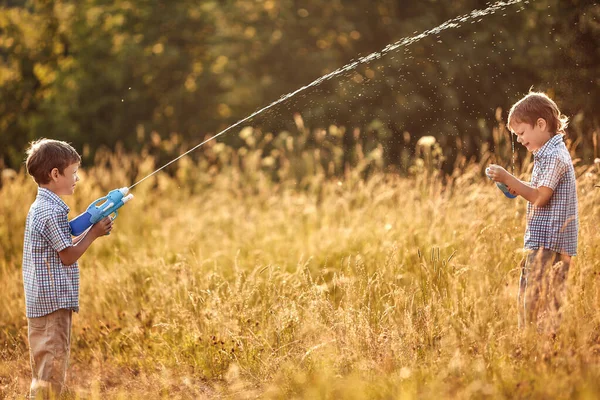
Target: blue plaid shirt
[(49, 284), (554, 226)]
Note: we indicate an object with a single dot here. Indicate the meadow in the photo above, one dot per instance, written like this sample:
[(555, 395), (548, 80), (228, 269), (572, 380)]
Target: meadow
[(277, 271)]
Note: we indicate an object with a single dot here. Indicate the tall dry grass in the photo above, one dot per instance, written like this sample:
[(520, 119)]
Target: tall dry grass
[(276, 272)]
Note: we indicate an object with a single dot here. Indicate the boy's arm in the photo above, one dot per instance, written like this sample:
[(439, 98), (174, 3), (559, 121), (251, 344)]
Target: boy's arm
[(71, 254), (539, 197), (77, 239)]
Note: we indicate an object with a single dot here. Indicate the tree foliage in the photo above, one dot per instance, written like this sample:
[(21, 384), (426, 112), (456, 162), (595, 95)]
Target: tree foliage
[(99, 73)]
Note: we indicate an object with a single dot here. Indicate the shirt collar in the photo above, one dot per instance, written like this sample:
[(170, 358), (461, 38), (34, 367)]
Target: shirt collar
[(550, 144), (53, 198)]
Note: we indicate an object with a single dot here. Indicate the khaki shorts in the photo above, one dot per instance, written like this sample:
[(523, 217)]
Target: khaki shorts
[(542, 289), (49, 347)]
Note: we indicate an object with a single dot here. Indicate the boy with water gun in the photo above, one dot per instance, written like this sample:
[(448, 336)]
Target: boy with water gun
[(552, 216), (50, 254)]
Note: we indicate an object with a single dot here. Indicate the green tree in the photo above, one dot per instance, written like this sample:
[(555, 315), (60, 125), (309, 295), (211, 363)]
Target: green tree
[(98, 73)]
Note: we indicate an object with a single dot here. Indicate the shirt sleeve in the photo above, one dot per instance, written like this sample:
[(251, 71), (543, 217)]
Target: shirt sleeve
[(552, 170), (56, 231)]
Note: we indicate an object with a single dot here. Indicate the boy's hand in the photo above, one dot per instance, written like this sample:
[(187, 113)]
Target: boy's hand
[(497, 173), (102, 227)]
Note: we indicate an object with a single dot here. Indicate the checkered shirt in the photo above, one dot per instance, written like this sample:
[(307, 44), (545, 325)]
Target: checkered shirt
[(49, 284), (554, 226)]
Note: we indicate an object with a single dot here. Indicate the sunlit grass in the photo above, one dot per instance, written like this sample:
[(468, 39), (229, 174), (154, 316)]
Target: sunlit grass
[(297, 278)]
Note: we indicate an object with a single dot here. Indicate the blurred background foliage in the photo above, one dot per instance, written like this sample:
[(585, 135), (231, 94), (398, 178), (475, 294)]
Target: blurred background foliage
[(119, 74)]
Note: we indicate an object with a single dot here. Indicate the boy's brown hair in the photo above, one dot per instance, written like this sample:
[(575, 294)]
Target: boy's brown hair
[(538, 105), (44, 155)]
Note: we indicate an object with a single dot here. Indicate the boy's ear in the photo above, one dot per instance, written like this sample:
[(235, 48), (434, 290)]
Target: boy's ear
[(541, 123), (54, 174)]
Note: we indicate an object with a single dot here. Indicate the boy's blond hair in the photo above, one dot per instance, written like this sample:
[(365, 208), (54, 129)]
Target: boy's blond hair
[(538, 105), (44, 155)]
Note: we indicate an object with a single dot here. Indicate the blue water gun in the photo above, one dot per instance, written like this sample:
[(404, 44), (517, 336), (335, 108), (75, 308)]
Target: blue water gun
[(502, 186), (95, 212)]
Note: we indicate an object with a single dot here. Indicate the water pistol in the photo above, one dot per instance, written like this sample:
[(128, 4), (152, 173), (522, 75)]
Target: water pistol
[(502, 187), (95, 212)]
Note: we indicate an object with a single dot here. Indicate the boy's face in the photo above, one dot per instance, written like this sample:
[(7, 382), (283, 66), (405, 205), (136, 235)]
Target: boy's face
[(64, 184), (532, 137)]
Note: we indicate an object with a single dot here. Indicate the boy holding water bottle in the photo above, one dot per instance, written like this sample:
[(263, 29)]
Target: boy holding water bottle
[(552, 218)]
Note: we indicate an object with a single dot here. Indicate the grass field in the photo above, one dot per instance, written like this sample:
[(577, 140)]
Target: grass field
[(220, 281)]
